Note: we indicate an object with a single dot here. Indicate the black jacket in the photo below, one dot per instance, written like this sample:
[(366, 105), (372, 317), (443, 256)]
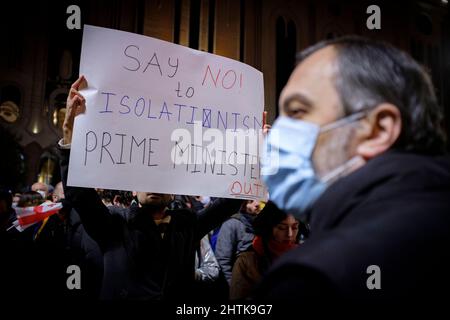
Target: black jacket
[(393, 213), (34, 265), (138, 263), (83, 251)]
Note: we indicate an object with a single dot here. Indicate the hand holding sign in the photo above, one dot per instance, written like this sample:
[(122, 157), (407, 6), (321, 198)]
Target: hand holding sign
[(266, 126), (75, 105)]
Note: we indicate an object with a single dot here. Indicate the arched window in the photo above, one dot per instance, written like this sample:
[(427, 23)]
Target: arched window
[(286, 47), (57, 109), (10, 93), (48, 169), (10, 99)]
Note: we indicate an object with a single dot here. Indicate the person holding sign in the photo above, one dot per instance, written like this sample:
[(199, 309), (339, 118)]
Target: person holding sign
[(152, 255)]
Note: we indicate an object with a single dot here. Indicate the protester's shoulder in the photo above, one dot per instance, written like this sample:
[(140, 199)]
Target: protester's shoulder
[(328, 248), (295, 282), (248, 263), (235, 220), (181, 216), (341, 248), (122, 212), (248, 257), (318, 254), (230, 226)]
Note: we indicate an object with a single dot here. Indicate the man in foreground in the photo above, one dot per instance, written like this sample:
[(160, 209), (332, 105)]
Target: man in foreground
[(375, 183)]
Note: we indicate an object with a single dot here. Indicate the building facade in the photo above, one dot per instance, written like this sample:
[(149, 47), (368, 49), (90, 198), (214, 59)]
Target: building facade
[(40, 55)]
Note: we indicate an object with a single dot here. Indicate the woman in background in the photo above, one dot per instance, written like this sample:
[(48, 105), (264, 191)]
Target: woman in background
[(275, 233)]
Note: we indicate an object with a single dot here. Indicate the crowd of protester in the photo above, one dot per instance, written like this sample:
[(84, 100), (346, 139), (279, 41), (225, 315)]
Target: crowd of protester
[(362, 183), (40, 254)]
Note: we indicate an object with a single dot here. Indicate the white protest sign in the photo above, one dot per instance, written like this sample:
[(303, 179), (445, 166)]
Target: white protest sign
[(164, 118)]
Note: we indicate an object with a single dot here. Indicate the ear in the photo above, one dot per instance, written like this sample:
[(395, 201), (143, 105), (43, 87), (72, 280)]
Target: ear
[(379, 131)]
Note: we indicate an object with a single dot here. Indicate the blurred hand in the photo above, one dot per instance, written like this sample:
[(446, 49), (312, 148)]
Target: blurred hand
[(266, 127), (75, 105)]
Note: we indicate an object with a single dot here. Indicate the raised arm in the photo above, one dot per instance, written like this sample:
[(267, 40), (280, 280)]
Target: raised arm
[(96, 219), (215, 214)]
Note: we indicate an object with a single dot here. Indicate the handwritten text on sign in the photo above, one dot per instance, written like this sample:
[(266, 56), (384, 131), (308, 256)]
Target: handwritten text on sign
[(165, 118)]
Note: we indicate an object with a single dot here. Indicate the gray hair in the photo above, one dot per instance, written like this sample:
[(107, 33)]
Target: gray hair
[(371, 73)]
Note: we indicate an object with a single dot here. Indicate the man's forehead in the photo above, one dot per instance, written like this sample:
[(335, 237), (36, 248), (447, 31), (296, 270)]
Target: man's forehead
[(320, 64), (311, 87)]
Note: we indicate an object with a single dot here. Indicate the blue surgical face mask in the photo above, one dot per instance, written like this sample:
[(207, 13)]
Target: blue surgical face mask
[(287, 167), (205, 200)]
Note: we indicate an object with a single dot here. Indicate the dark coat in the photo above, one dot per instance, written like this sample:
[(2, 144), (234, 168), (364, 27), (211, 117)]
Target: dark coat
[(83, 251), (138, 263), (393, 213), (247, 272), (35, 264)]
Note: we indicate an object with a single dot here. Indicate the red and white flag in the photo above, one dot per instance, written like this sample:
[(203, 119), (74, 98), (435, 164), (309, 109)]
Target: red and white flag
[(28, 216)]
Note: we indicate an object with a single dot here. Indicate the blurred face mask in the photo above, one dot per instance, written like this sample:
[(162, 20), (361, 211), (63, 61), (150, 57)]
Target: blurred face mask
[(287, 167), (205, 200)]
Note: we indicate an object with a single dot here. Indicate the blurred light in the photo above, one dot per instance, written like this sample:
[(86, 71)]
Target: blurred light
[(55, 117), (36, 128), (444, 1)]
